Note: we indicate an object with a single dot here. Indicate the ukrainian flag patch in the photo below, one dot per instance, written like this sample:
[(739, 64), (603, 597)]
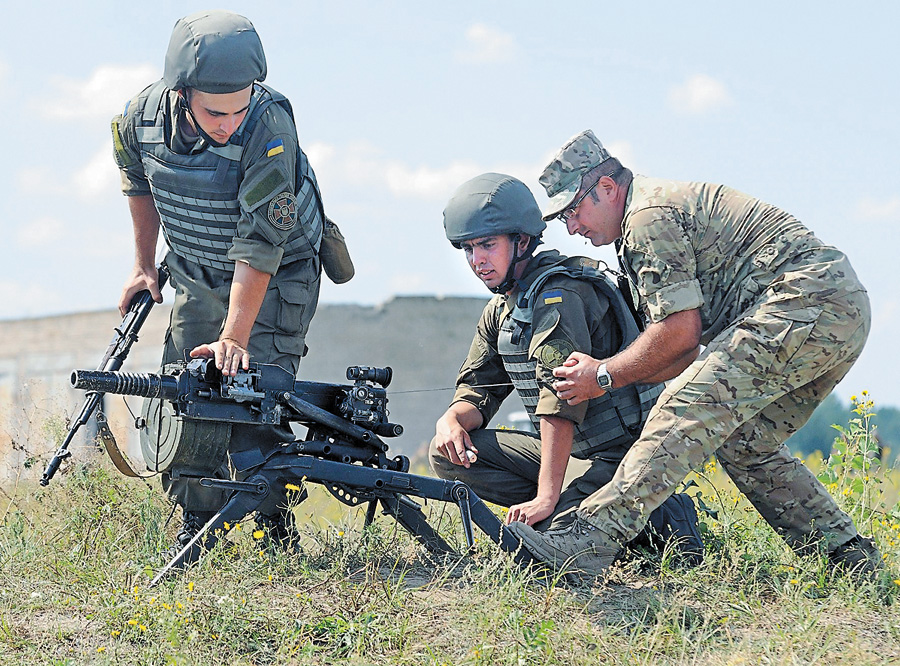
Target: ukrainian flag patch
[(551, 297), (274, 147)]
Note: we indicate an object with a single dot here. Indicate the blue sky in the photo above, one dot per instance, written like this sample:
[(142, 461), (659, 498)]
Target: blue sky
[(399, 102)]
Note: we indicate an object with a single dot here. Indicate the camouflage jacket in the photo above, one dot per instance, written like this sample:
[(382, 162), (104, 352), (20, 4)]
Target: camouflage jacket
[(709, 247)]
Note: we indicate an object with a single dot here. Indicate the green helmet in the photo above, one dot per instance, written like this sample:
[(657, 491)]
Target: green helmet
[(491, 204), (214, 52)]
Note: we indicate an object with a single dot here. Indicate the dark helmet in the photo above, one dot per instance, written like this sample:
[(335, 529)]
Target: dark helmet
[(492, 204), (214, 52)]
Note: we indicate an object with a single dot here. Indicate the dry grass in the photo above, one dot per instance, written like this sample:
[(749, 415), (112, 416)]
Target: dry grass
[(75, 560)]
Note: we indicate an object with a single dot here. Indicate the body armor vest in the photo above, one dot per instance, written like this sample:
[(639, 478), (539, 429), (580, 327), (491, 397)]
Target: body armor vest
[(613, 420), (196, 195)]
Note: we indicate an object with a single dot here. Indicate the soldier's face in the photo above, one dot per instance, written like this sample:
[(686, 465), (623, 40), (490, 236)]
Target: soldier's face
[(490, 257), (219, 115), (599, 216)]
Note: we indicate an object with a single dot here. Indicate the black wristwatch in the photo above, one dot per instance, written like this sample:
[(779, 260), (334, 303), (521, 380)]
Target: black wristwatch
[(604, 379)]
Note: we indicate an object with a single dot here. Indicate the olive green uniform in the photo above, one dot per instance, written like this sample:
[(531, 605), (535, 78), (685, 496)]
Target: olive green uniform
[(783, 316), (569, 315), (268, 168)]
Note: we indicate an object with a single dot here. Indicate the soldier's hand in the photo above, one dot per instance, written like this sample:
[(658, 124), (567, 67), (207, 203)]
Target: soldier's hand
[(453, 442), (577, 379), (230, 355), (531, 512), (141, 278)]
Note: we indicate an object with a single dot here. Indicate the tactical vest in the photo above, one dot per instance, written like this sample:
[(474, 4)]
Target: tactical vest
[(197, 195), (613, 420)]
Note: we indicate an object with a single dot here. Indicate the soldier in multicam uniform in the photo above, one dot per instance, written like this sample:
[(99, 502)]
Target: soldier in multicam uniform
[(546, 307), (211, 155), (782, 317)]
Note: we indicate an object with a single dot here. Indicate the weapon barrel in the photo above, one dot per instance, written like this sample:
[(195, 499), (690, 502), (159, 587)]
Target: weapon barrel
[(126, 383)]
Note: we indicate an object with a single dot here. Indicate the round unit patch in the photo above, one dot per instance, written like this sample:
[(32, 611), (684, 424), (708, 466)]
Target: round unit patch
[(283, 211), (554, 353)]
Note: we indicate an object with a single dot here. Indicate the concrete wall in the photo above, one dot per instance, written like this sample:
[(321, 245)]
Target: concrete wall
[(424, 340)]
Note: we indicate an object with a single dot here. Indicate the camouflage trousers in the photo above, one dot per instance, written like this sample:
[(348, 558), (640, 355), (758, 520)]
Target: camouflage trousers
[(755, 384), (278, 337)]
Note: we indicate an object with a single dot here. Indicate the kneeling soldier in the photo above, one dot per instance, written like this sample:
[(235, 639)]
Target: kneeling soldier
[(546, 306)]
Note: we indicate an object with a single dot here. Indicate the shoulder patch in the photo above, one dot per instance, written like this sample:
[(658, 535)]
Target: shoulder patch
[(283, 211), (264, 186), (123, 157), (554, 353), (552, 296), (275, 147)]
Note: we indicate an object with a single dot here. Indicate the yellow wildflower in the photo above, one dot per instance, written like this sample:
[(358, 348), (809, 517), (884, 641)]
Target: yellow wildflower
[(258, 534), (101, 649), (191, 586), (292, 486)]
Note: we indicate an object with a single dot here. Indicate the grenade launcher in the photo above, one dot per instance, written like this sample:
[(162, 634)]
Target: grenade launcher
[(342, 450)]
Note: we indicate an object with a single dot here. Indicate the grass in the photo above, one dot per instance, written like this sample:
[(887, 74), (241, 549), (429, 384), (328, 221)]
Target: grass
[(76, 557)]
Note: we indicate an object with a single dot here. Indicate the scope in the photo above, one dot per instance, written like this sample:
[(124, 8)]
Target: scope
[(366, 373)]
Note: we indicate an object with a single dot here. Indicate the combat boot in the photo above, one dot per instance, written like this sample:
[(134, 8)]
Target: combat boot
[(577, 548), (279, 531), (192, 523), (859, 557), (674, 525)]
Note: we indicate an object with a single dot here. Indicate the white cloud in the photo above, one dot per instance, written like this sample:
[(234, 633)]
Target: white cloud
[(40, 232), (426, 182), (362, 164), (879, 209), (39, 180), (487, 44), (699, 94), (93, 180), (101, 95), (98, 177)]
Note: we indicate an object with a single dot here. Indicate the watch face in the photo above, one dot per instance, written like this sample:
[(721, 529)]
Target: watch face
[(604, 380)]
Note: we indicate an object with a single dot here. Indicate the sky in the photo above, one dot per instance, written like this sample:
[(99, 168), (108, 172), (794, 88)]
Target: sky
[(398, 103)]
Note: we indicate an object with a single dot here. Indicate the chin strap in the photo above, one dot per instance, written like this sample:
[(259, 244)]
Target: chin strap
[(203, 135), (510, 281)]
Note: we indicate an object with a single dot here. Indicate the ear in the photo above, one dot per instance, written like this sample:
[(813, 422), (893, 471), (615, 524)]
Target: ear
[(524, 241), (607, 187)]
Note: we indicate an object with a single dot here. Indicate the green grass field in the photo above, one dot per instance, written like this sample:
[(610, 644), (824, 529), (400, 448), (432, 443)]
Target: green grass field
[(76, 558)]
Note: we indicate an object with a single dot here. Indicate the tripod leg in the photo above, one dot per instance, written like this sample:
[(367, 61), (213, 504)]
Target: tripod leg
[(237, 506), (410, 516), (370, 512)]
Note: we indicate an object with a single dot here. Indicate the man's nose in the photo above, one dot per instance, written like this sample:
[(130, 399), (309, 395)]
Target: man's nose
[(229, 124)]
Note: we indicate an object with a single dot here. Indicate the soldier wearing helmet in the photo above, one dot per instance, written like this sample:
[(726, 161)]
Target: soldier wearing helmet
[(209, 155), (545, 307)]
